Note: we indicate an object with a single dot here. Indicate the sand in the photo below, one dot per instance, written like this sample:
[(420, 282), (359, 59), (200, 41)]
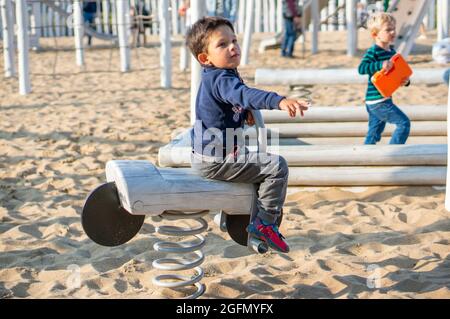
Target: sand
[(365, 242)]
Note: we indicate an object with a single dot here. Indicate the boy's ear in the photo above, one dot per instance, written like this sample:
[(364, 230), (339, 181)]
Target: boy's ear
[(203, 58), (374, 34)]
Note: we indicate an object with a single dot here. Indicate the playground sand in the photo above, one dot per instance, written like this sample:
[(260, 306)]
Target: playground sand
[(386, 242)]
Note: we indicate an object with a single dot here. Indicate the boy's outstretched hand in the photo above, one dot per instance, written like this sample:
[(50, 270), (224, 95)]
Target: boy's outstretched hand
[(293, 106)]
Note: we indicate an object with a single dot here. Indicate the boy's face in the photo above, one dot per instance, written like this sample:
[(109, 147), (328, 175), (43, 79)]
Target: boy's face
[(386, 34), (223, 49)]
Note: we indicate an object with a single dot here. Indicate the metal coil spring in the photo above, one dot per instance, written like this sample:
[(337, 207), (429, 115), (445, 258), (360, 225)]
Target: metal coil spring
[(178, 264)]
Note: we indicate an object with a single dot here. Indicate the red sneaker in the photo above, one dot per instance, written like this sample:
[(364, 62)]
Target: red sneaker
[(268, 233)]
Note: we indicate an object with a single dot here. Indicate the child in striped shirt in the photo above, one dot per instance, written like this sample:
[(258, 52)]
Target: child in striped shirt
[(381, 109)]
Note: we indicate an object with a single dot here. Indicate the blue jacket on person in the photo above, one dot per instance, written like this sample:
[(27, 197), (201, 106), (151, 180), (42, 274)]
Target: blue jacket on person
[(222, 102)]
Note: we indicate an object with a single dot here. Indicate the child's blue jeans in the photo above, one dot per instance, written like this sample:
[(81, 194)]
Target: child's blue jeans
[(387, 112)]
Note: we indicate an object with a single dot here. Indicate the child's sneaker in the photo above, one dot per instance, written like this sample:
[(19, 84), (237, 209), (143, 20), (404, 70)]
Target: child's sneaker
[(268, 233)]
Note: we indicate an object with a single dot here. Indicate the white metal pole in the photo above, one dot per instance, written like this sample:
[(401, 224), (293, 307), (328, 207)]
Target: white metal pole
[(430, 18), (165, 57), (184, 52), (123, 21), (37, 23), (198, 9), (174, 6), (280, 19), (323, 16), (106, 8), (250, 16), (8, 38), (241, 16), (352, 34), (331, 19), (23, 46), (443, 19), (266, 15), (78, 29), (341, 14), (447, 184), (315, 15), (258, 5), (272, 15), (154, 22)]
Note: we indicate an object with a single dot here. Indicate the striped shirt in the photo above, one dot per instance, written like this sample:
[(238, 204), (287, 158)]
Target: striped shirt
[(372, 62)]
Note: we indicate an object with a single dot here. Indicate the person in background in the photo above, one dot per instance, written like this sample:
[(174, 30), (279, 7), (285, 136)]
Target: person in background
[(292, 21), (382, 109), (89, 13)]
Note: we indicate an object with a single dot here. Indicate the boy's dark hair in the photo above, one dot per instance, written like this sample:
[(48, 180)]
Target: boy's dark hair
[(197, 37)]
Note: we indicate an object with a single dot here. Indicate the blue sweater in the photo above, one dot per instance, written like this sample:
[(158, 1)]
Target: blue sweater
[(222, 102)]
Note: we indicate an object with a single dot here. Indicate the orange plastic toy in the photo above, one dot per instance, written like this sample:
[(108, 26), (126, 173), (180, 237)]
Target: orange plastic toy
[(390, 82)]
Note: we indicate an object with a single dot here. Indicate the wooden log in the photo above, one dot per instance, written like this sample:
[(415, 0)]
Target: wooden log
[(352, 28), (367, 176), (78, 28), (165, 57), (249, 21), (353, 140), (23, 47), (123, 20), (334, 76), (422, 128), (8, 38), (354, 114), (197, 10), (334, 155)]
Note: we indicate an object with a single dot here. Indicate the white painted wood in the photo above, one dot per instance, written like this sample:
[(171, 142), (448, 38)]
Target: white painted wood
[(241, 17), (332, 20), (106, 9), (430, 18), (315, 15), (154, 4), (443, 19), (23, 46), (50, 22), (8, 38), (342, 13), (409, 17), (335, 155), (98, 18), (258, 15), (447, 184), (266, 15), (78, 28), (174, 16), (422, 128), (356, 113), (198, 9), (184, 51), (335, 76), (323, 16), (352, 29), (123, 20), (250, 17), (367, 176), (272, 16), (165, 53), (145, 189), (280, 16), (412, 140), (36, 22), (114, 26)]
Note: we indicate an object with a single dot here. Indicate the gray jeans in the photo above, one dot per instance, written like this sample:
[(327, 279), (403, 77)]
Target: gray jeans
[(268, 172)]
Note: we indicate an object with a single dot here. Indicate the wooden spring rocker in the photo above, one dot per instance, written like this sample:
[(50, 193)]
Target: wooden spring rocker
[(115, 211)]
